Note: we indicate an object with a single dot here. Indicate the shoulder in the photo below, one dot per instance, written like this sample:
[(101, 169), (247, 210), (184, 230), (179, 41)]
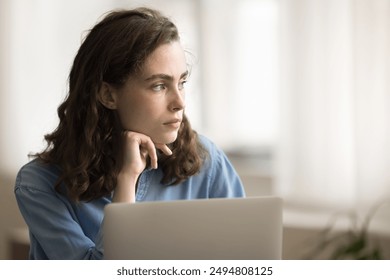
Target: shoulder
[(37, 175), (224, 181), (209, 145), (215, 155)]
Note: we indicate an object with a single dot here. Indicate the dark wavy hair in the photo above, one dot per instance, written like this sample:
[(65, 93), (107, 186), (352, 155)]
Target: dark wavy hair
[(88, 138)]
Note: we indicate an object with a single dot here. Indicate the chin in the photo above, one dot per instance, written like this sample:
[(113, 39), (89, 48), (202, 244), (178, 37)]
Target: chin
[(166, 139), (171, 140)]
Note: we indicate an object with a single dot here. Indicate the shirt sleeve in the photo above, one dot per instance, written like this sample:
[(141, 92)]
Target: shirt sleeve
[(52, 224)]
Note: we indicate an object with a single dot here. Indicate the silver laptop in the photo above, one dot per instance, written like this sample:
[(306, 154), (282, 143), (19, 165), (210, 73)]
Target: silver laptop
[(204, 229)]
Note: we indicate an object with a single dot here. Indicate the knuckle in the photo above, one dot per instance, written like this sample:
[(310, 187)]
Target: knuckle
[(132, 136)]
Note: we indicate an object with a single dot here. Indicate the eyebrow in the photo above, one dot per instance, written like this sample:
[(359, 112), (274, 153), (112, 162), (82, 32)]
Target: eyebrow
[(165, 77)]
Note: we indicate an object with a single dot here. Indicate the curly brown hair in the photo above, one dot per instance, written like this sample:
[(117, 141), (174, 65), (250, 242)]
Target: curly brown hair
[(88, 138)]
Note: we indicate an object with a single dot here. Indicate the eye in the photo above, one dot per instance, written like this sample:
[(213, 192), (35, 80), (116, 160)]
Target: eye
[(181, 84), (158, 87)]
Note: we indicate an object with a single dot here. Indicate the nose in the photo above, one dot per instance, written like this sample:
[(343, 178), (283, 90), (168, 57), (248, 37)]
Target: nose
[(177, 101)]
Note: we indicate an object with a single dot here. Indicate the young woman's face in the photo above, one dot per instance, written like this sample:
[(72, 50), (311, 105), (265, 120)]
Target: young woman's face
[(152, 103)]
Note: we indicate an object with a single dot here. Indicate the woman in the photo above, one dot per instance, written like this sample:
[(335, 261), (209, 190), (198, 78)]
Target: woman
[(122, 137)]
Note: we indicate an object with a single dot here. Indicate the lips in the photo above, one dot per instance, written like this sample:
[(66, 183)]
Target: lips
[(173, 121), (173, 124)]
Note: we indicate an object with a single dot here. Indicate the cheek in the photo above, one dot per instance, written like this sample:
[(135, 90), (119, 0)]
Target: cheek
[(126, 119), (126, 113), (136, 116)]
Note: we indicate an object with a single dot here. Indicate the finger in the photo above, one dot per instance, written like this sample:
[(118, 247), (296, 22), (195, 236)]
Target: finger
[(164, 148), (149, 146), (144, 146)]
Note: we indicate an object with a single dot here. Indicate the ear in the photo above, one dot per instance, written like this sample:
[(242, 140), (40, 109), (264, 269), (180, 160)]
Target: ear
[(107, 96)]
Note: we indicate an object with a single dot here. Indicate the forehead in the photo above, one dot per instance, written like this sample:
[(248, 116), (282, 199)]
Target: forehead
[(166, 59)]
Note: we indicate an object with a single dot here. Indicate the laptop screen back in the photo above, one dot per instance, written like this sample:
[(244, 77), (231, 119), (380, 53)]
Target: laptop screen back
[(235, 228)]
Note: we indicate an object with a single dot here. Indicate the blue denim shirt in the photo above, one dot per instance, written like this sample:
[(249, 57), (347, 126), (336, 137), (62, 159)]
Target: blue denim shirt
[(62, 229)]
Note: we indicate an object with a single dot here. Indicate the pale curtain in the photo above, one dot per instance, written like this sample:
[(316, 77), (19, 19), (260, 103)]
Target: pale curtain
[(334, 142)]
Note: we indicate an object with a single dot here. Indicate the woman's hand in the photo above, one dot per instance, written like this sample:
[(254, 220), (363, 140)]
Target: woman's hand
[(136, 149)]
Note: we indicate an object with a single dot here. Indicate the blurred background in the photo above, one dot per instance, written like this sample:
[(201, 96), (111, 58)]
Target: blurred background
[(296, 92)]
